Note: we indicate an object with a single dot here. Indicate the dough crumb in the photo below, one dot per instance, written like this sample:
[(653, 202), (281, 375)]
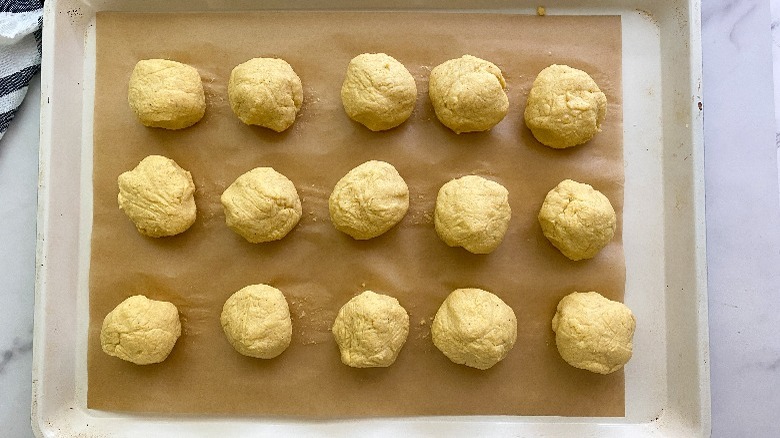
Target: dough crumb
[(594, 333), (140, 330), (541, 11)]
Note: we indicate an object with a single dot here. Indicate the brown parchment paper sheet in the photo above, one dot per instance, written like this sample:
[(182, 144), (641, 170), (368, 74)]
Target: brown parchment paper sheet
[(319, 268)]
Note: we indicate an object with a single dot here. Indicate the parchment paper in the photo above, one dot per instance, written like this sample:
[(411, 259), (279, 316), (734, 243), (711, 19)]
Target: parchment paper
[(319, 268)]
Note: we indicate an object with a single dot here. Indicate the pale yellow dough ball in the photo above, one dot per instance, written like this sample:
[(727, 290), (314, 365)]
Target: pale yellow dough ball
[(577, 219), (140, 330), (265, 92), (468, 94), (256, 321), (158, 196), (261, 205), (378, 91), (370, 330), (166, 94), (593, 332), (472, 212), (475, 328), (369, 200), (565, 107)]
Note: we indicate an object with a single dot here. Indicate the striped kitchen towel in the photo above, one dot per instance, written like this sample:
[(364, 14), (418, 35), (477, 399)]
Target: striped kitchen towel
[(20, 53)]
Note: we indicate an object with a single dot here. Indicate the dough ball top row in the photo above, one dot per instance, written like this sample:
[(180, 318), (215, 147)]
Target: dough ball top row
[(565, 107)]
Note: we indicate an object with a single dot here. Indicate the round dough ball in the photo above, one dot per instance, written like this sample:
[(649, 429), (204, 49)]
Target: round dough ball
[(256, 321), (577, 219), (261, 205), (166, 94), (140, 330), (593, 332), (472, 212), (467, 94), (370, 330), (473, 327), (265, 92), (565, 107), (369, 200), (378, 91), (158, 196)]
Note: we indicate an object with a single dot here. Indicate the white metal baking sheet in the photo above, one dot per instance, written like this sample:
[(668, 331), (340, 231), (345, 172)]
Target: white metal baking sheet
[(667, 380)]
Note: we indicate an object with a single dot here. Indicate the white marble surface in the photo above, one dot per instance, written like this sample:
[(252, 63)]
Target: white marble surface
[(743, 229), (18, 204)]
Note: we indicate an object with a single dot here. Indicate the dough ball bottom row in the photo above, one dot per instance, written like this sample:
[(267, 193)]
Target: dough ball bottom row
[(256, 321), (472, 327)]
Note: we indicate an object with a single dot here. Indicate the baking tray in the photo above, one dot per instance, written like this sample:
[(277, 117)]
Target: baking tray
[(667, 380)]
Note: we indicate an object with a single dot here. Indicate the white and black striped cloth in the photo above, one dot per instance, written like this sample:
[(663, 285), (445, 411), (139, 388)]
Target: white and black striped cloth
[(20, 53)]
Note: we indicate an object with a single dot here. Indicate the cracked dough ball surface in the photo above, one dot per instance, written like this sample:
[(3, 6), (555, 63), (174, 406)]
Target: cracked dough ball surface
[(369, 200), (475, 328), (593, 332), (265, 92), (468, 94), (577, 219), (472, 212), (256, 321), (378, 91), (261, 205), (166, 94), (140, 330), (158, 196), (565, 107), (370, 330)]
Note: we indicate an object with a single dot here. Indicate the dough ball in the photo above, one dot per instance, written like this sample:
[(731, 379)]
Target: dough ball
[(369, 200), (265, 92), (140, 330), (577, 219), (467, 94), (158, 196), (593, 332), (261, 205), (256, 321), (565, 107), (370, 330), (166, 94), (475, 328), (378, 91), (472, 212)]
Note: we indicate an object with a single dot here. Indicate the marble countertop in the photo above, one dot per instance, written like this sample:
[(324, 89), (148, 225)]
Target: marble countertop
[(743, 228)]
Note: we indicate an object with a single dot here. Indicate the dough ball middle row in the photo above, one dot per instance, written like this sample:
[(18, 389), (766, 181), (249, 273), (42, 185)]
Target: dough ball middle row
[(262, 205)]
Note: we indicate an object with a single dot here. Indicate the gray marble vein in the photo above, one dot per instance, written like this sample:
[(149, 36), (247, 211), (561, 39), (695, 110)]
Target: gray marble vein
[(19, 348)]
